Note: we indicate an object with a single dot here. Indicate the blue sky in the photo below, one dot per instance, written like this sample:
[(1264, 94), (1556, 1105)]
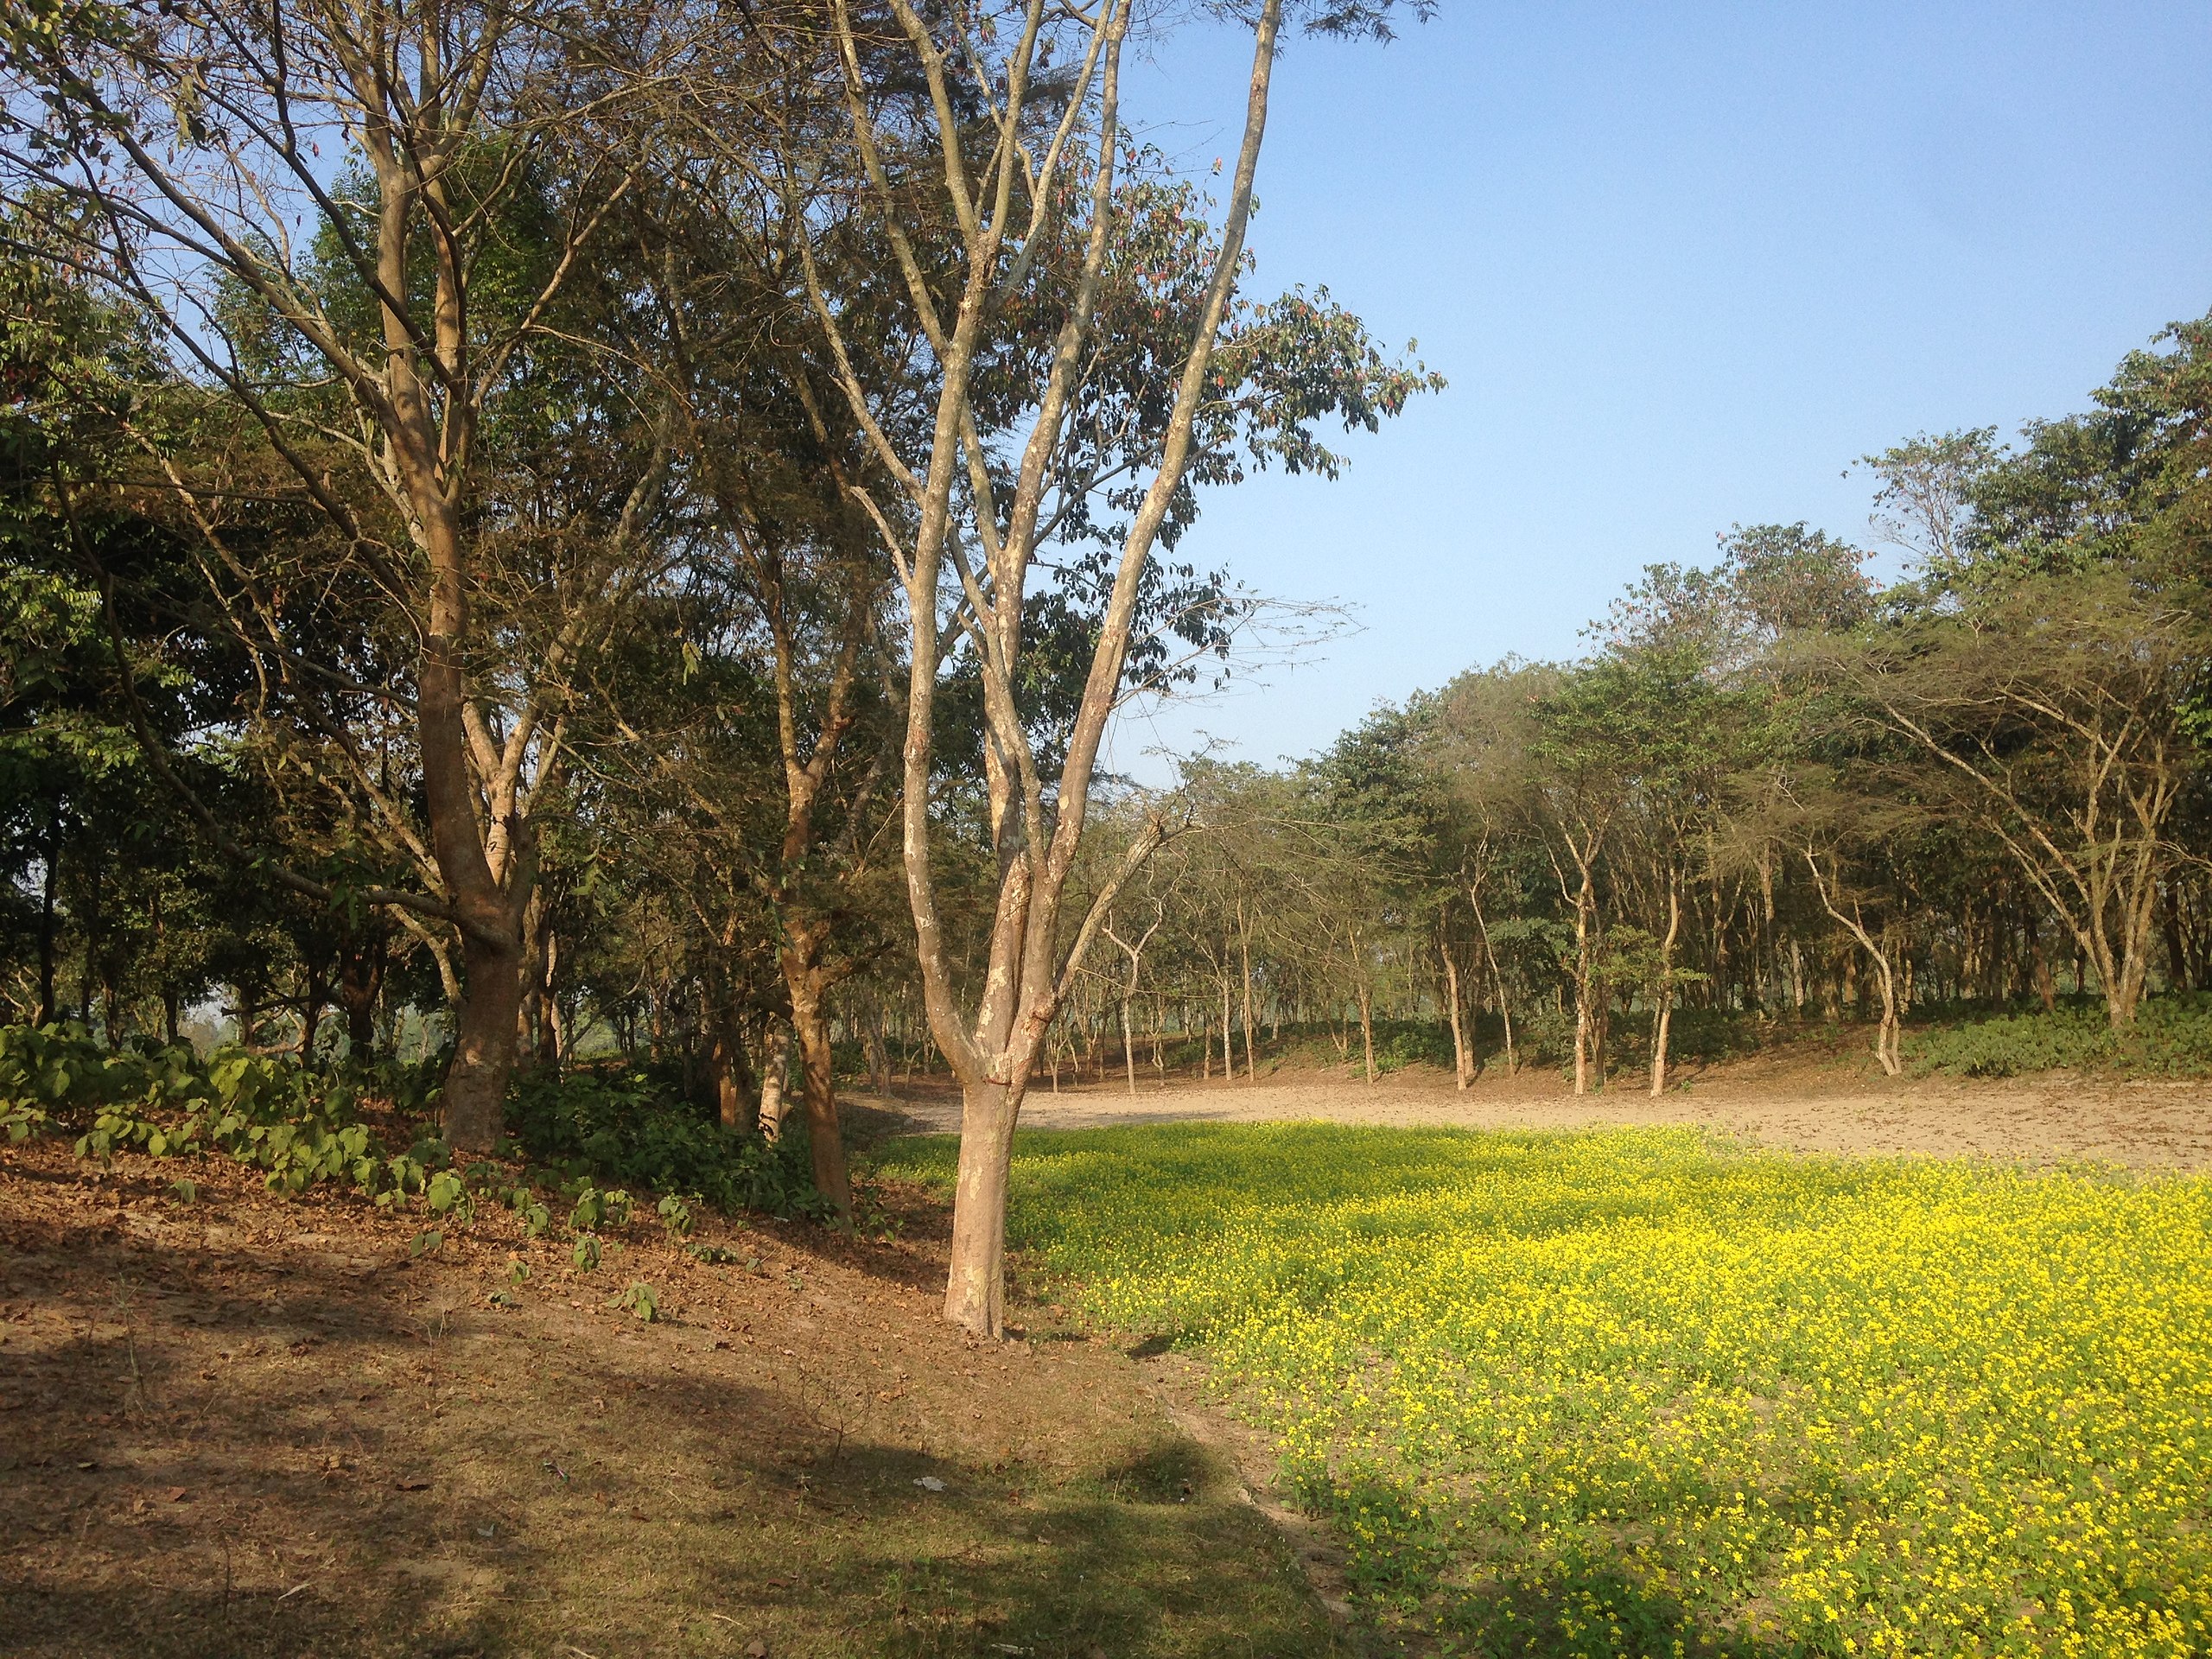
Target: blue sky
[(1681, 264)]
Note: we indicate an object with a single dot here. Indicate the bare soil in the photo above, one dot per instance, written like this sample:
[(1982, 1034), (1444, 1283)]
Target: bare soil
[(1822, 1103), (244, 1425)]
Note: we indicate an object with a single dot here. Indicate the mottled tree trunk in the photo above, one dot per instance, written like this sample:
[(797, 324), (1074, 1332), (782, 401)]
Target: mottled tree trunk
[(484, 1045), (818, 1090), (975, 1289)]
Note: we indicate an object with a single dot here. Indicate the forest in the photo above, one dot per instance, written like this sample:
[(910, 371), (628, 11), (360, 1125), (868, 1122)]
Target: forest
[(532, 549), (567, 577)]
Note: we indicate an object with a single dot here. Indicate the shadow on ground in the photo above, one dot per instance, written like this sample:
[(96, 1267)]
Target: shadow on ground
[(250, 1427)]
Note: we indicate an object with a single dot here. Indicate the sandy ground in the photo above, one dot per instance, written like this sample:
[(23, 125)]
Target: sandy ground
[(2049, 1119)]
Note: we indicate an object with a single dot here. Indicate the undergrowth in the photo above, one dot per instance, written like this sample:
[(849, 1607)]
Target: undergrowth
[(573, 1133), (2171, 1037)]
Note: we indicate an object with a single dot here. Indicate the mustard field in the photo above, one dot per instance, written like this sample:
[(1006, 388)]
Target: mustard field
[(1636, 1393)]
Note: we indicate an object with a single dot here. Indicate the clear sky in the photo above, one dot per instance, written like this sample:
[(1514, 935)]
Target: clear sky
[(1683, 263)]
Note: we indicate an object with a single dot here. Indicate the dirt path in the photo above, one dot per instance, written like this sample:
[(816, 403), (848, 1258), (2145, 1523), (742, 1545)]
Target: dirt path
[(2048, 1119)]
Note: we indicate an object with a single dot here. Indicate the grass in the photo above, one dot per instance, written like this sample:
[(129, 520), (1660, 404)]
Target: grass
[(1635, 1392)]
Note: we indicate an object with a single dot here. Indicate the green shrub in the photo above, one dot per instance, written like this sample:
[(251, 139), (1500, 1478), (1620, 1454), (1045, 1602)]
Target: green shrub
[(2171, 1037), (633, 1126), (598, 1127)]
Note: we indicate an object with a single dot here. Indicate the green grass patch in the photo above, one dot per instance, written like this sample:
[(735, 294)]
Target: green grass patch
[(1636, 1392)]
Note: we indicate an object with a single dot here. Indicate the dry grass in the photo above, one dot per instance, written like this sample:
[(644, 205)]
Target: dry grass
[(245, 1426)]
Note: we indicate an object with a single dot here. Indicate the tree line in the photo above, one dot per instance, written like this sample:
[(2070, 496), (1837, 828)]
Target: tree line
[(1771, 787)]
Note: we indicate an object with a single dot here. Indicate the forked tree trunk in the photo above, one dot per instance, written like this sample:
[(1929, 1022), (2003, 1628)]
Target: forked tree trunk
[(360, 982), (1887, 1046), (1028, 975)]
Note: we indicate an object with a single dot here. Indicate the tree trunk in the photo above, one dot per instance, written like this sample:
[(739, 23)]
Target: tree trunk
[(1244, 944), (47, 932), (360, 982), (1459, 1068), (1581, 998), (735, 1104), (1665, 1013), (313, 997), (552, 1040), (1498, 981), (974, 1291), (1886, 1037), (879, 1054), (1129, 1048), (1367, 1025), (2039, 963), (825, 1138), (484, 1045), (775, 1061), (2177, 975)]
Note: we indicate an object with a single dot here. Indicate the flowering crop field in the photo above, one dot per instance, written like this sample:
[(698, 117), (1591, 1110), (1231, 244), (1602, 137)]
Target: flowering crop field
[(1636, 1392)]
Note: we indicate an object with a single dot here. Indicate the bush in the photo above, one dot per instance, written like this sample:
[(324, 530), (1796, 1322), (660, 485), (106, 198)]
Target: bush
[(2171, 1037), (632, 1126), (167, 1102), (612, 1126)]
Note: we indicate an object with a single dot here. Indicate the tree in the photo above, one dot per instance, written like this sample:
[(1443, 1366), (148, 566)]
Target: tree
[(184, 156), (1085, 356)]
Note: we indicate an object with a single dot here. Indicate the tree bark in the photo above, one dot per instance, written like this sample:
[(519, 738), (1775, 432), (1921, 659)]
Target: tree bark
[(313, 998), (1664, 1016), (975, 1296), (1459, 1068), (1367, 1025), (735, 1104), (825, 1138), (775, 1060), (1244, 944), (47, 932), (484, 1045), (360, 982)]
